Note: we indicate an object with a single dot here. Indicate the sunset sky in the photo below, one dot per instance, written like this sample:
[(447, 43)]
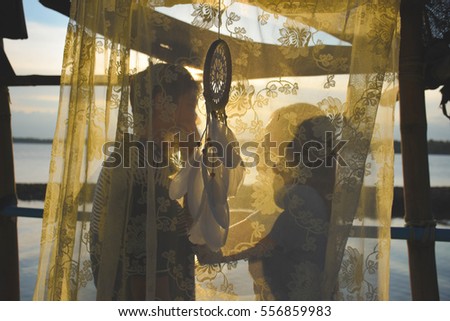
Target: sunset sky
[(34, 109)]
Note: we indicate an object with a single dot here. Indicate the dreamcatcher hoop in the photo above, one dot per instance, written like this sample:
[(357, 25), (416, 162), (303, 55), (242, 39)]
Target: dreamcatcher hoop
[(217, 73)]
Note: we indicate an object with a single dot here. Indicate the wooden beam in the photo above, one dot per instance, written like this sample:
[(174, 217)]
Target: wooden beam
[(413, 128), (9, 250), (61, 6), (44, 80), (32, 80)]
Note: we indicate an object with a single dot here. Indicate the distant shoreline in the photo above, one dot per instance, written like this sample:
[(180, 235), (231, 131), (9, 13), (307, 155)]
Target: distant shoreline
[(29, 140), (435, 147)]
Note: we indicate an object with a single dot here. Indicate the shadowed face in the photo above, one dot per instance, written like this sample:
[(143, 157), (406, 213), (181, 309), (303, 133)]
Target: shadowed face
[(302, 162), (170, 118), (186, 117), (166, 94)]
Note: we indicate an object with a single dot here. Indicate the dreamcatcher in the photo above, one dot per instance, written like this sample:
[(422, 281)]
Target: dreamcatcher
[(214, 171)]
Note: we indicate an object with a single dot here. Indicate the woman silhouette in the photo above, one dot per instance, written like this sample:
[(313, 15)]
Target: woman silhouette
[(288, 262), (163, 99)]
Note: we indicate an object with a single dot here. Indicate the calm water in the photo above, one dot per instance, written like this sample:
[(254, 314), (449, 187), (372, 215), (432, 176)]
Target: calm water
[(31, 166), (32, 162)]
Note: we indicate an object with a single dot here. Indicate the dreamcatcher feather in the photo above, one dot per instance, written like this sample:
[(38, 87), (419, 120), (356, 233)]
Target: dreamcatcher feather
[(214, 171)]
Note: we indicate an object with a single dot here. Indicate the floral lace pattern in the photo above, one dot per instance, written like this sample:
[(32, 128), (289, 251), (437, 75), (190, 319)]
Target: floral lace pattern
[(299, 70)]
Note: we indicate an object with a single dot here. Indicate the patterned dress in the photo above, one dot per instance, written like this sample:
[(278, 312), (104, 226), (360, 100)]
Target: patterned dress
[(174, 255)]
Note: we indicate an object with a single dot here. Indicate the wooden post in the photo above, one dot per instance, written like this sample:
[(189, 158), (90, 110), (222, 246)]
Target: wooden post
[(413, 127), (9, 252)]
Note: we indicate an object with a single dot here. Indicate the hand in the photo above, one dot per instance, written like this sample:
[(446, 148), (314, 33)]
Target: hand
[(206, 256)]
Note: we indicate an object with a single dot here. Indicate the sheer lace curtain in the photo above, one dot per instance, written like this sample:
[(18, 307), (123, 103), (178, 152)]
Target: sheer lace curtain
[(311, 105)]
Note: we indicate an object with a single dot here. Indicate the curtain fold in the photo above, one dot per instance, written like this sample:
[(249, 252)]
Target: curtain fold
[(311, 107)]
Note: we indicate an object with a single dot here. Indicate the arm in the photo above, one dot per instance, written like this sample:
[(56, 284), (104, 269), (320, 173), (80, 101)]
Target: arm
[(246, 239)]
